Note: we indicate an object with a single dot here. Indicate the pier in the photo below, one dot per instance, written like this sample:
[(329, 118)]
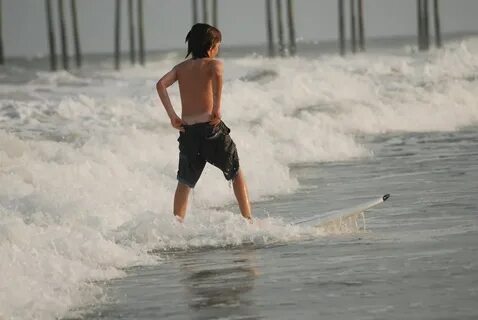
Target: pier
[(2, 58), (279, 23)]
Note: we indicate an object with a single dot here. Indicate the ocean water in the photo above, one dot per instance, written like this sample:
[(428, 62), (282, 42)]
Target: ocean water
[(87, 173)]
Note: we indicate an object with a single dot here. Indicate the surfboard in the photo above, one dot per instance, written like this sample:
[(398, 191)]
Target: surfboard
[(326, 217)]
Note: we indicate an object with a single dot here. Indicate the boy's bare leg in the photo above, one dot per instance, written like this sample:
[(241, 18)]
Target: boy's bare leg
[(240, 191), (181, 200)]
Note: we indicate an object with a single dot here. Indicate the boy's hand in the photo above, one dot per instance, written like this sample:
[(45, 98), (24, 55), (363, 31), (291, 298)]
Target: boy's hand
[(215, 118), (177, 123)]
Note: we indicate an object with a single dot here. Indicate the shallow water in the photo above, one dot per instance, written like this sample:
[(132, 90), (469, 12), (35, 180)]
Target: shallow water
[(88, 164), (417, 258)]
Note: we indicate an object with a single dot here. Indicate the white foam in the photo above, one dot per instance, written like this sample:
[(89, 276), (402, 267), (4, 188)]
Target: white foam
[(88, 163)]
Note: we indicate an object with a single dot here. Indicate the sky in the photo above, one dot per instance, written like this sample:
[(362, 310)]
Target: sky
[(241, 22)]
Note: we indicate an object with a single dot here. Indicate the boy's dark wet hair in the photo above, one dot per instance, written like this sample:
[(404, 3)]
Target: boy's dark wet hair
[(201, 38)]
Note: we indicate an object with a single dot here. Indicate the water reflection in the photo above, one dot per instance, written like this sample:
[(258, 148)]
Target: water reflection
[(220, 286)]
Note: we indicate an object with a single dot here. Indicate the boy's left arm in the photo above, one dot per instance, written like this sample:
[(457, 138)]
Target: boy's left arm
[(166, 81)]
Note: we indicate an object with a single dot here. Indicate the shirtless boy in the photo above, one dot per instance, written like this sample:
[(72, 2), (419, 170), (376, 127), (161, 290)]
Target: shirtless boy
[(203, 137)]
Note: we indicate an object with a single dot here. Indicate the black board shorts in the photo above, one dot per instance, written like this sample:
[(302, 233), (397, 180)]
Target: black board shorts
[(201, 143)]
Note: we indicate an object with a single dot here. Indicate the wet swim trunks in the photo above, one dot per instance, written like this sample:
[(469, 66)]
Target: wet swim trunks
[(201, 143)]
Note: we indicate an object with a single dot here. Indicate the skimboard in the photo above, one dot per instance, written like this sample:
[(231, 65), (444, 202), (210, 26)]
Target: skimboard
[(326, 217)]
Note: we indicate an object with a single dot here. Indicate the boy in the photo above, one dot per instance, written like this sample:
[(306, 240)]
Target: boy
[(203, 137)]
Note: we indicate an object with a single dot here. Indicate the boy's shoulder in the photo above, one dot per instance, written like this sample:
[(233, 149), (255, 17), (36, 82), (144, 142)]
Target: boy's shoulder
[(215, 61), (208, 61), (182, 64), (217, 65), (211, 63)]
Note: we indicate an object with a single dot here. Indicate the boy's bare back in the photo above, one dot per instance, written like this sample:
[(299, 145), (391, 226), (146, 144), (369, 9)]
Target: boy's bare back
[(197, 79), (200, 85)]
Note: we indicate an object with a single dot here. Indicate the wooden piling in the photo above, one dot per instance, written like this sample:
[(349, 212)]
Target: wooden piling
[(51, 35), (117, 34), (436, 13), (361, 26), (280, 28), (64, 43), (142, 58), (194, 6), (353, 33), (214, 13), (76, 34), (2, 58), (205, 14), (426, 23), (419, 24), (132, 47), (269, 28), (341, 20), (291, 22)]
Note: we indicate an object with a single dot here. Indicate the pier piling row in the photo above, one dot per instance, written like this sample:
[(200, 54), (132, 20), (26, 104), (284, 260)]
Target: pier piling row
[(136, 28)]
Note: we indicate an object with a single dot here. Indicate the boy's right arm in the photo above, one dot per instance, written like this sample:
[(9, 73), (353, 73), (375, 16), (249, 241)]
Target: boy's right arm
[(167, 80), (217, 72)]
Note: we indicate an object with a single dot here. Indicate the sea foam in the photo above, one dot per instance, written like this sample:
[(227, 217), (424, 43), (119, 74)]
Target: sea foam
[(88, 161)]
